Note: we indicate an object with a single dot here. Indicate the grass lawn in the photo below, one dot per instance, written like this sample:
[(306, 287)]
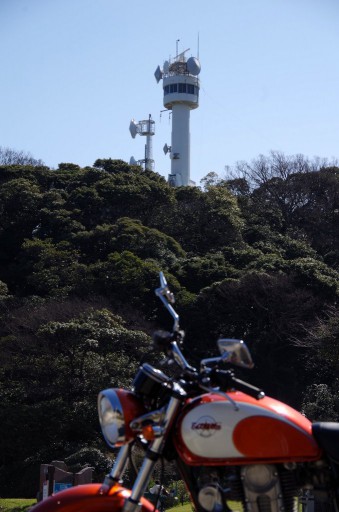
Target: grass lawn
[(188, 507), (232, 504), (181, 508), (21, 505), (15, 505)]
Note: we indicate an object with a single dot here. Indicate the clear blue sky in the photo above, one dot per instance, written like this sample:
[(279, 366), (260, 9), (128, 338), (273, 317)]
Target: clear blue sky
[(74, 73)]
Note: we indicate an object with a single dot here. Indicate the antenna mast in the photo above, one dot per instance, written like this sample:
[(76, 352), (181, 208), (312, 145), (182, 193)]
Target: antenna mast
[(146, 128)]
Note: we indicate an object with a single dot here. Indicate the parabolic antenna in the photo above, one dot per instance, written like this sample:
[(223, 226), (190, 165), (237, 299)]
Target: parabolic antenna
[(193, 66), (133, 128), (158, 74), (166, 67)]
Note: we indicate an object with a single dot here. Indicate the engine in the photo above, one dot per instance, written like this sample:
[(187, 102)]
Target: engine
[(263, 487), (255, 488)]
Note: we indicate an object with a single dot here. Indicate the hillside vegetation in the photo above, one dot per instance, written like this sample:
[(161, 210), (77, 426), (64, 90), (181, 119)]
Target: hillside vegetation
[(253, 257)]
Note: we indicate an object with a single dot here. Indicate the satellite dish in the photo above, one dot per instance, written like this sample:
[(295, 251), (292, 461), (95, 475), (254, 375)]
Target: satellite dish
[(158, 74), (133, 128), (132, 161), (166, 67), (166, 149), (193, 66)]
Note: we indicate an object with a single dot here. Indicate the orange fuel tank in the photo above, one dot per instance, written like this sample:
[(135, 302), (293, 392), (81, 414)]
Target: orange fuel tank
[(213, 430)]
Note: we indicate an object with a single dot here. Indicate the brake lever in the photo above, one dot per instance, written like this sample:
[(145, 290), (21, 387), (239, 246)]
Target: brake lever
[(217, 391)]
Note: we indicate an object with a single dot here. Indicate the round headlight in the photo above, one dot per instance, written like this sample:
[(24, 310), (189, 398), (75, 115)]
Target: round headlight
[(116, 409), (111, 417)]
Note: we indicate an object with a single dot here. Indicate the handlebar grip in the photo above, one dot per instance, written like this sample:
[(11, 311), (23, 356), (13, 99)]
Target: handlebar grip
[(253, 391), (226, 380)]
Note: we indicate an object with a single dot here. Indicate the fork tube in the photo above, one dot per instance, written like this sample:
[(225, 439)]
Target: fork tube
[(152, 455), (118, 468)]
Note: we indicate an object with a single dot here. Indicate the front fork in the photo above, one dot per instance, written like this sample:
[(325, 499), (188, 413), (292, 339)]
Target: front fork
[(152, 456)]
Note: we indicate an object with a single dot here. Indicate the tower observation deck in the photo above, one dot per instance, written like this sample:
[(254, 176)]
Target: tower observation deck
[(181, 87)]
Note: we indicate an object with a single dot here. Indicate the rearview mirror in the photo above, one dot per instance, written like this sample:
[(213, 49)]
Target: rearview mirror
[(235, 352)]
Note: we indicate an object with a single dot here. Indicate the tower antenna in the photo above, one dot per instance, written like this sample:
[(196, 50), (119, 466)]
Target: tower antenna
[(146, 129), (181, 87)]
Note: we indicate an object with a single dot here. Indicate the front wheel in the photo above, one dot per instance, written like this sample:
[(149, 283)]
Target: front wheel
[(89, 498)]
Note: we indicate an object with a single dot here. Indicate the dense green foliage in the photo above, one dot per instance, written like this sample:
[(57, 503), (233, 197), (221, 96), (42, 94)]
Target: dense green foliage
[(254, 257)]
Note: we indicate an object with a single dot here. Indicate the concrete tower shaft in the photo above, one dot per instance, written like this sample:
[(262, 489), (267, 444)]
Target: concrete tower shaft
[(181, 147)]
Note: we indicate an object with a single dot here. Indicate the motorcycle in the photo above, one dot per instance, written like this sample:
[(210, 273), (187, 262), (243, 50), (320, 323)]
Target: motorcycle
[(231, 443)]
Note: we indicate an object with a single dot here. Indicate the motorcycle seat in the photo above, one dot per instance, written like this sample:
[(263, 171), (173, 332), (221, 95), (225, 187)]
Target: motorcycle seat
[(327, 435)]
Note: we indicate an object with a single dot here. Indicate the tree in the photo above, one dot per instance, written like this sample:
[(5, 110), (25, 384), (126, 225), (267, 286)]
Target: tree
[(255, 257), (319, 214), (68, 167), (9, 156), (204, 221), (125, 278), (321, 396), (52, 371), (277, 165), (197, 272), (90, 208), (3, 289), (294, 196), (57, 224), (321, 402), (128, 235), (269, 311), (111, 166), (140, 195), (211, 179), (20, 201), (48, 269)]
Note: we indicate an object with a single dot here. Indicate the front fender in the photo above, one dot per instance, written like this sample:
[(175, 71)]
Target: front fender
[(89, 498)]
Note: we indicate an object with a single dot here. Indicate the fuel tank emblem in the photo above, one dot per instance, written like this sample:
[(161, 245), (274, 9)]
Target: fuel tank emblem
[(206, 426)]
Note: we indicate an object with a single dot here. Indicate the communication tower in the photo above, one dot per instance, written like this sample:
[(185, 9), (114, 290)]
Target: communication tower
[(181, 95), (145, 128)]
